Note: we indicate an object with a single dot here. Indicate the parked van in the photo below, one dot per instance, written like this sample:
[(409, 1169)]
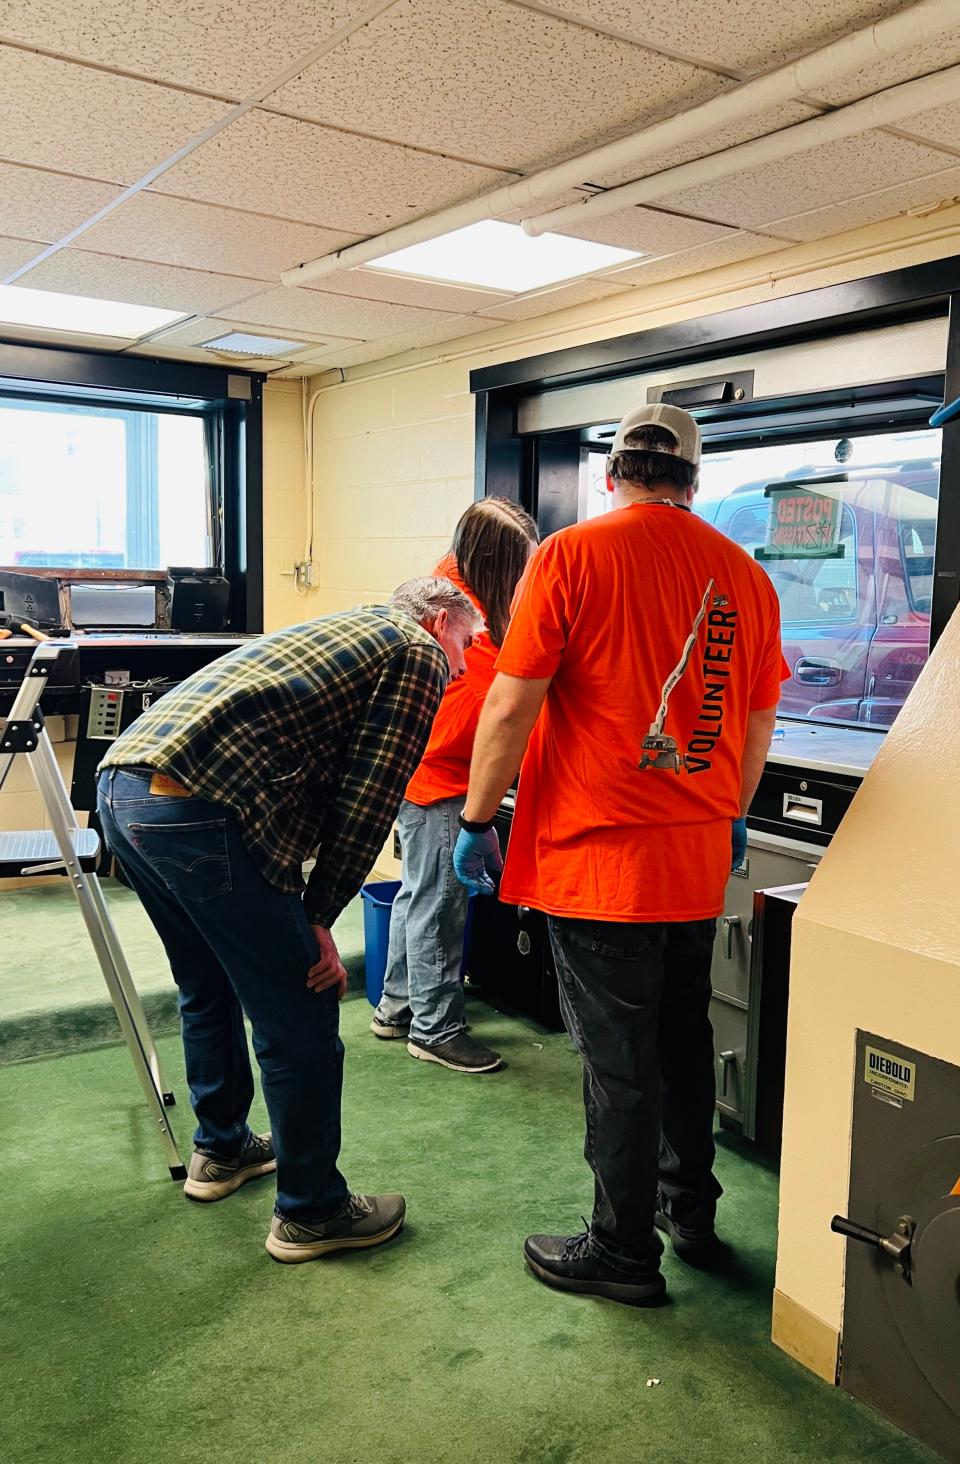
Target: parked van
[(856, 629)]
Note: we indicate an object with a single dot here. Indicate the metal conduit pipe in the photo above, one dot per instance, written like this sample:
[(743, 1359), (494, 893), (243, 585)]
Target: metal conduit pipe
[(923, 22), (924, 94)]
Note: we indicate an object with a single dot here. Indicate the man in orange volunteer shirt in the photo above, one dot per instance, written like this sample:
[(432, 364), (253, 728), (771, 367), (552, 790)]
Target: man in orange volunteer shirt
[(652, 645)]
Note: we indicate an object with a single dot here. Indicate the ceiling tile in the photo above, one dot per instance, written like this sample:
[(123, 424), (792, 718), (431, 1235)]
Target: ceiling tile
[(195, 332), (289, 309), (645, 229), (452, 329), (753, 37), (76, 272), (208, 358), (728, 250), (200, 236), (772, 120), (559, 297), (885, 204), (941, 126), (370, 284), (92, 122), (296, 170), (15, 252), (824, 175), (493, 83), (915, 61), (226, 46), (184, 343), (47, 205)]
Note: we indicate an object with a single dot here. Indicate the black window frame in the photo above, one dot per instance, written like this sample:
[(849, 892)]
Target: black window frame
[(542, 471), (231, 404)]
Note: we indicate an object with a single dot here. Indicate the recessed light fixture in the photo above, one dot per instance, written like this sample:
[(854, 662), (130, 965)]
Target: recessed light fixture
[(80, 314), (501, 256), (239, 344)]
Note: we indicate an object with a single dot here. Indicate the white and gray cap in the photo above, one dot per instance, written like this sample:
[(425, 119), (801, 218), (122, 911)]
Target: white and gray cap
[(680, 425)]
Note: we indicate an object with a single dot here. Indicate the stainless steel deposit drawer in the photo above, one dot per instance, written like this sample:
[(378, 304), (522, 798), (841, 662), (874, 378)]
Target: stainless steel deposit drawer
[(771, 861)]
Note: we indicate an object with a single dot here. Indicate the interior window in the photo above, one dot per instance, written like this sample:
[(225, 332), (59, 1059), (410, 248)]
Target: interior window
[(856, 618), (92, 487)]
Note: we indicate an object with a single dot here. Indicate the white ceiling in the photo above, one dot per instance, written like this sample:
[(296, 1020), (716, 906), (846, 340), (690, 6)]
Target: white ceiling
[(183, 155)]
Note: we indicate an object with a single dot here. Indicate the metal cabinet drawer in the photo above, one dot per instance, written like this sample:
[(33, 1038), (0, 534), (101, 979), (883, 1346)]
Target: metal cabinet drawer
[(730, 1046)]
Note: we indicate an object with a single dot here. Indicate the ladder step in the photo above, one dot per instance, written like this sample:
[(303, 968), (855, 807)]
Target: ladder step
[(24, 847)]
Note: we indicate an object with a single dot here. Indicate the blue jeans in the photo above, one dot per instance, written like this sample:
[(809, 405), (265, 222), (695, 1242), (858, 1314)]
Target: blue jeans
[(236, 944), (423, 985)]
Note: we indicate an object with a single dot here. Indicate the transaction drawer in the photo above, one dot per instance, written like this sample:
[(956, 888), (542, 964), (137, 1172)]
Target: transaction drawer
[(800, 805)]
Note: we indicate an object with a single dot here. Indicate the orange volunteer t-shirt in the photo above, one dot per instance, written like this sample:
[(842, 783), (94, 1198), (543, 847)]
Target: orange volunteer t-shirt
[(444, 769), (605, 609)]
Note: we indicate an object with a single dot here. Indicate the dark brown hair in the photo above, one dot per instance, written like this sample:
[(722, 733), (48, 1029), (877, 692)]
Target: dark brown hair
[(650, 457), (491, 545)]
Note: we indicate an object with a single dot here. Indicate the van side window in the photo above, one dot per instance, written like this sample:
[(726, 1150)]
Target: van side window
[(916, 550), (809, 589)]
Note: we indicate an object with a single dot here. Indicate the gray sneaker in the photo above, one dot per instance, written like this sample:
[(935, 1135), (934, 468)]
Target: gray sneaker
[(462, 1053), (365, 1221), (388, 1031), (211, 1178)]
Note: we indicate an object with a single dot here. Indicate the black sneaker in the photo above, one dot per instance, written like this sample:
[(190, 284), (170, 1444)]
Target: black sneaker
[(567, 1262), (462, 1053), (700, 1248), (365, 1221), (211, 1178)]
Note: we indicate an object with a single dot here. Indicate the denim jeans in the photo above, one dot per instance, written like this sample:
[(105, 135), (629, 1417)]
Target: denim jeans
[(635, 1001), (236, 944), (423, 985)]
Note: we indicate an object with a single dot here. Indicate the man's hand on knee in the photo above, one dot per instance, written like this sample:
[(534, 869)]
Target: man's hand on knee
[(328, 971)]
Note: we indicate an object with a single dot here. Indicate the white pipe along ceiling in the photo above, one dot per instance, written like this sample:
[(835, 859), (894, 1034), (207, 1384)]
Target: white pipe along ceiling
[(921, 24), (880, 110)]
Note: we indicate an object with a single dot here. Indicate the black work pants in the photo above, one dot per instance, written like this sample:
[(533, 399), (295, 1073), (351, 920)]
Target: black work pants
[(635, 1001)]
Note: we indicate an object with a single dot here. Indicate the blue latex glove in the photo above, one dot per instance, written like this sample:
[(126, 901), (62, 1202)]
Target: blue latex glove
[(475, 858), (739, 841)]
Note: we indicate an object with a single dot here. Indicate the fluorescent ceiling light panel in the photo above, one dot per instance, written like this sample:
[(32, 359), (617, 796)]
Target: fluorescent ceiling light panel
[(501, 256), (239, 344), (80, 314)]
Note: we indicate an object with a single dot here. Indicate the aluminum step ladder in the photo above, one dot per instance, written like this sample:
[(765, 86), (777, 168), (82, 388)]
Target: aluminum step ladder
[(68, 847)]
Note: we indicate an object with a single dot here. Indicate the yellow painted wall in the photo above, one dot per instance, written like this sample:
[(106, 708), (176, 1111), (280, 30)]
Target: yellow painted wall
[(394, 441), (876, 945), (284, 503)]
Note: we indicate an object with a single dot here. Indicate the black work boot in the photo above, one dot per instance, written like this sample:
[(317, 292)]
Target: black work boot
[(567, 1262)]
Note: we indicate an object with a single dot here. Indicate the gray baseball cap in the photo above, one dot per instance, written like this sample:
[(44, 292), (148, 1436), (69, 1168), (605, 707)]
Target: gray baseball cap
[(681, 426)]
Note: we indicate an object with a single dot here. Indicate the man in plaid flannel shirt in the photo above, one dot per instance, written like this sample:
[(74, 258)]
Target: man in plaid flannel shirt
[(212, 800)]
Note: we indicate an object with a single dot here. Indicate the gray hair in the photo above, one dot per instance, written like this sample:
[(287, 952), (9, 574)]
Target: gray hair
[(424, 598)]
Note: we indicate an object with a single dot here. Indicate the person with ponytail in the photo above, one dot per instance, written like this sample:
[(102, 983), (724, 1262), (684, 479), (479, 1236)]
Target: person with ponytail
[(423, 999)]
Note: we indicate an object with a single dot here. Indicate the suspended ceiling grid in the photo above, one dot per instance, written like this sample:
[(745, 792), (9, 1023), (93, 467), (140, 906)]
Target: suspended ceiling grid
[(182, 155)]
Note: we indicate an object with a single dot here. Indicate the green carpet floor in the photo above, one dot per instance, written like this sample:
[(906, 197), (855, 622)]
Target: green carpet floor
[(136, 1328), (52, 996)]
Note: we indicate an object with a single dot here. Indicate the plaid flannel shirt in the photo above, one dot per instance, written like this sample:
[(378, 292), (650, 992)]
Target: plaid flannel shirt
[(309, 735)]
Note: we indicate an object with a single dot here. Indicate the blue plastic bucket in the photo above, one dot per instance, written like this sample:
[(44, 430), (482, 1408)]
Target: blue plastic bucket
[(378, 898)]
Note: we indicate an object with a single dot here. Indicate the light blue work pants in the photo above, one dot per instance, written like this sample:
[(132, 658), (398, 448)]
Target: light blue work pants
[(423, 985)]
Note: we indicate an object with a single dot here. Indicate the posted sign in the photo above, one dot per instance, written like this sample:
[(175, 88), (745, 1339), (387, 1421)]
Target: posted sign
[(804, 521)]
